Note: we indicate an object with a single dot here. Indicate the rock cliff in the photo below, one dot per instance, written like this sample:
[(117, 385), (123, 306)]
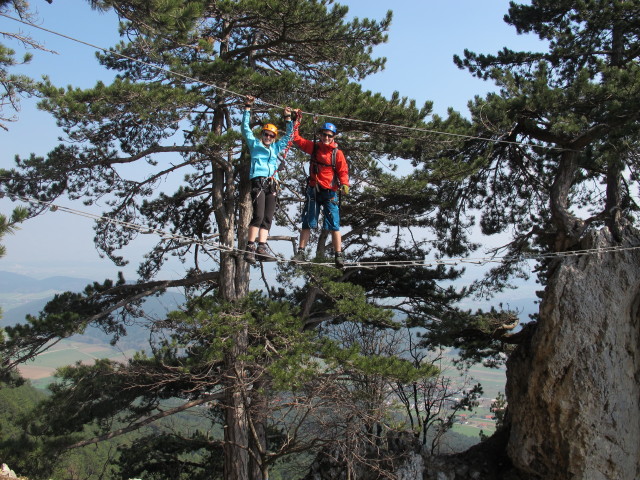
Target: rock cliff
[(574, 390)]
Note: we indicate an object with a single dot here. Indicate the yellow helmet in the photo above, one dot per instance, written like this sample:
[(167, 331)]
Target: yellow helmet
[(270, 128)]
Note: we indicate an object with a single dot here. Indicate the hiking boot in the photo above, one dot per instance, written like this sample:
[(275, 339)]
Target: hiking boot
[(300, 256), (250, 254), (339, 260), (263, 253)]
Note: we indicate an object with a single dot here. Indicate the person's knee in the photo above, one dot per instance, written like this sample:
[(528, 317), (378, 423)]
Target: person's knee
[(257, 219)]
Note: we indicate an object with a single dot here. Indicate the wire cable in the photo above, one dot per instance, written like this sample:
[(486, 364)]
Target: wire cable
[(221, 247), (358, 264), (239, 95)]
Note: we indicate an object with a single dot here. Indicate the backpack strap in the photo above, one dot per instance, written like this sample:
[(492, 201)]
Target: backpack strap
[(313, 167)]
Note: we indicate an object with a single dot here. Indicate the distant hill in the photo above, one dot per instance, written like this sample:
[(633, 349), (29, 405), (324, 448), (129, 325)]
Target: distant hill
[(18, 290), (154, 307), (17, 314), (93, 343), (31, 295), (16, 283)]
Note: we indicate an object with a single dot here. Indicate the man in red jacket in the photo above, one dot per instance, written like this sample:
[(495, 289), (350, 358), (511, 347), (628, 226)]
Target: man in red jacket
[(328, 172)]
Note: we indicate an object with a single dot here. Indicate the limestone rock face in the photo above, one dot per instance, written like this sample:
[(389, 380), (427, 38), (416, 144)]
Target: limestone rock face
[(574, 390), (6, 473)]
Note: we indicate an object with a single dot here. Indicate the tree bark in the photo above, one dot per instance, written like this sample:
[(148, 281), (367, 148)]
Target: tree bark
[(568, 225), (236, 428), (574, 388), (232, 286)]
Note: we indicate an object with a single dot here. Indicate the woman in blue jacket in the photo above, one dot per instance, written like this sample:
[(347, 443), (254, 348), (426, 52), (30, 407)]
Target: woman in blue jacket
[(264, 175)]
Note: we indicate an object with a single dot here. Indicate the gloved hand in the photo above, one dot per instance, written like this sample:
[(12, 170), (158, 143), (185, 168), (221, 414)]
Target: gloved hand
[(345, 189)]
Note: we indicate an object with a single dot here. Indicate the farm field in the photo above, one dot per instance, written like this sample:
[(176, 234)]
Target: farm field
[(40, 371)]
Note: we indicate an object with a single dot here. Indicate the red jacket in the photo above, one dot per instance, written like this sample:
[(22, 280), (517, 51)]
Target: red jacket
[(320, 170)]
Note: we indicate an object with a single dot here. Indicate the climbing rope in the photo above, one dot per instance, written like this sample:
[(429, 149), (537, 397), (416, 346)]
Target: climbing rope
[(284, 153), (296, 125)]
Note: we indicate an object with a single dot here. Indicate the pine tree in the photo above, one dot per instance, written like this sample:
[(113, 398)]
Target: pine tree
[(172, 112), (171, 115), (554, 163), (12, 86), (9, 226), (574, 109)]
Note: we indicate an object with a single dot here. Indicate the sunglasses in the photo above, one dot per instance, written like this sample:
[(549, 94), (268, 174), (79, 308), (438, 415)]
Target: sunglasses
[(323, 134), (268, 135)]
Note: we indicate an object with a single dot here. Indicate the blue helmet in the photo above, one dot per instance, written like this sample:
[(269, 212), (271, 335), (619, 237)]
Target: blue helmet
[(331, 127)]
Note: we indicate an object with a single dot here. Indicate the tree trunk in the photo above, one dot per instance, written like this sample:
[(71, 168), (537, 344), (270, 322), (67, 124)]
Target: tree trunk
[(569, 226), (232, 286), (236, 428), (574, 388)]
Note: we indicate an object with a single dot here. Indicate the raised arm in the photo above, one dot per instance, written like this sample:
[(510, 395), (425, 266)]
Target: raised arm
[(246, 117)]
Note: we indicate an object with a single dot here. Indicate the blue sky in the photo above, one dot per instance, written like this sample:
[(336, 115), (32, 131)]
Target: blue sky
[(423, 38)]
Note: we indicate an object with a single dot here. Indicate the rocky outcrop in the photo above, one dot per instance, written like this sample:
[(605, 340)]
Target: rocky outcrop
[(7, 474), (574, 390)]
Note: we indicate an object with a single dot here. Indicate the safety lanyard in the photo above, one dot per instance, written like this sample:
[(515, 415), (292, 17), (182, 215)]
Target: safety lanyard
[(284, 153)]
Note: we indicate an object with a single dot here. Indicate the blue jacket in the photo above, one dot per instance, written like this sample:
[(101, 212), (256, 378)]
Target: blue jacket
[(264, 160)]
